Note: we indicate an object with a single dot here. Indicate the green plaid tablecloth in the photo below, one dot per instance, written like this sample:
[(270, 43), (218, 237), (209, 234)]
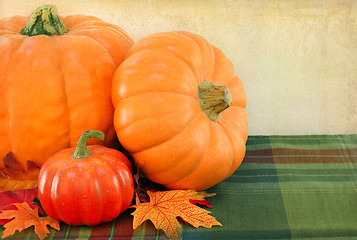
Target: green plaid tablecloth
[(288, 187)]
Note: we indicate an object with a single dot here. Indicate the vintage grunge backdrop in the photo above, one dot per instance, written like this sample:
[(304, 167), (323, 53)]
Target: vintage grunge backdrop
[(297, 59)]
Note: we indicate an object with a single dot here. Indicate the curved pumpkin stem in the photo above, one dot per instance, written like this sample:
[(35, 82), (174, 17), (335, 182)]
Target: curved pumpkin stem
[(44, 21), (213, 99), (81, 149)]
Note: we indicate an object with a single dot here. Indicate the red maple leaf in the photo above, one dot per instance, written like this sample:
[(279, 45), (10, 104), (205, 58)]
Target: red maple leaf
[(201, 202), (7, 200), (13, 177)]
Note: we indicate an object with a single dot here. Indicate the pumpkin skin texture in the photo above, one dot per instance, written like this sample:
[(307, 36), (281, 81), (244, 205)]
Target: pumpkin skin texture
[(158, 116), (54, 87), (86, 190)]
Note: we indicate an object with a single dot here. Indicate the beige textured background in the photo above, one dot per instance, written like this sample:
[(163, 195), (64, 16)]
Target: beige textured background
[(297, 58)]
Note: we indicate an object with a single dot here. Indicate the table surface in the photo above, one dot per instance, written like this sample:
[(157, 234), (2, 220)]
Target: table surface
[(288, 187)]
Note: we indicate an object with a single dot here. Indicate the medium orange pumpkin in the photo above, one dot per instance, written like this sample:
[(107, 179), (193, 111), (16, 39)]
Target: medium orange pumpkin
[(180, 110), (55, 81)]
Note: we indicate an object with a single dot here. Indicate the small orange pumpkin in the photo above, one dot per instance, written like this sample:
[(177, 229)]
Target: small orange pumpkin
[(55, 81), (86, 185), (180, 110)]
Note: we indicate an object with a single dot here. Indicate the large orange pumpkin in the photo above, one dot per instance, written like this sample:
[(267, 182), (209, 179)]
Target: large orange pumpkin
[(180, 110), (55, 81)]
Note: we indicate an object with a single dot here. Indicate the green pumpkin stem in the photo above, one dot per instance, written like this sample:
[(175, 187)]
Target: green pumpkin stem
[(44, 21), (213, 99), (81, 149)]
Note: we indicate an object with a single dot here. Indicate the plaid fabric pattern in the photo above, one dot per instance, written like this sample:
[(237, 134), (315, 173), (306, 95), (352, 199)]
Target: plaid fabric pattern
[(288, 187)]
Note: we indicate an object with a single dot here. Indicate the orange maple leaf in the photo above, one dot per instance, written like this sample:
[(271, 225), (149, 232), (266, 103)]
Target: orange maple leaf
[(13, 177), (165, 206), (25, 217)]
